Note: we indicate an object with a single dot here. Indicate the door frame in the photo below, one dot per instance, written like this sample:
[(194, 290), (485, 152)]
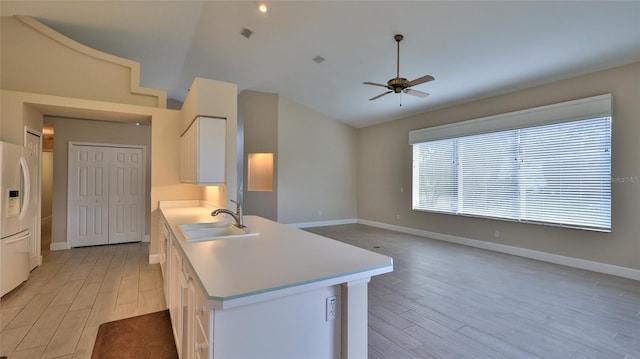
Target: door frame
[(143, 211), (37, 221)]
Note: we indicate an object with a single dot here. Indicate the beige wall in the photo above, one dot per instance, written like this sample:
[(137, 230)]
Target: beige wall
[(384, 170), (315, 160), (75, 130), (317, 166), (259, 114), (217, 195), (66, 68), (15, 116)]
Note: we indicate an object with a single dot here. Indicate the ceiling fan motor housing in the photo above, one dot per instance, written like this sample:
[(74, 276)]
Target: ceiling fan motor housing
[(398, 84)]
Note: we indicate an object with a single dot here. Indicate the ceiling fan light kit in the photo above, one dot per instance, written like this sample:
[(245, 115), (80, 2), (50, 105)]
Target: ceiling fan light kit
[(400, 84)]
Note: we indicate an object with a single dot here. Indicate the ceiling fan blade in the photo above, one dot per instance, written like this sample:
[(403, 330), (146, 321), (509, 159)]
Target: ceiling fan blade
[(421, 80), (416, 93), (382, 94), (375, 84)]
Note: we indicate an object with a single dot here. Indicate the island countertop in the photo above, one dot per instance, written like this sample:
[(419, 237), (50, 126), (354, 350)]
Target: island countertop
[(280, 260)]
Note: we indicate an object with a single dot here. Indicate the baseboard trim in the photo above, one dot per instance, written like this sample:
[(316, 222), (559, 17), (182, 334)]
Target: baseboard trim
[(154, 258), (58, 246), (322, 223), (599, 267)]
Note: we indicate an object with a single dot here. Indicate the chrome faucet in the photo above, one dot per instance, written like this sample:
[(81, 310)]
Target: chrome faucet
[(237, 216)]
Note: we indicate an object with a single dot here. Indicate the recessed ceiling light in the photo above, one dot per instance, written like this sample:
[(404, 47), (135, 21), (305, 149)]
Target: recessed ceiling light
[(262, 7)]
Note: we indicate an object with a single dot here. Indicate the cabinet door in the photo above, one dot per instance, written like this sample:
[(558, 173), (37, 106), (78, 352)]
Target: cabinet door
[(201, 324), (188, 336), (188, 153), (183, 158), (165, 246), (211, 153), (203, 152), (175, 294), (201, 345)]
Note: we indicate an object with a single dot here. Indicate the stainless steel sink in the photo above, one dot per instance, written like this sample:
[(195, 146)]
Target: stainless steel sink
[(211, 231)]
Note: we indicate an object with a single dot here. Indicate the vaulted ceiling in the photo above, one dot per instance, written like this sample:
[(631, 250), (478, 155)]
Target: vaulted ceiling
[(474, 49)]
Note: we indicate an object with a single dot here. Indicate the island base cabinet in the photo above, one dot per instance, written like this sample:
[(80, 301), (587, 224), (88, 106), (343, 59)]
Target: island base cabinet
[(294, 326), (221, 312), (201, 324), (165, 254), (176, 293)]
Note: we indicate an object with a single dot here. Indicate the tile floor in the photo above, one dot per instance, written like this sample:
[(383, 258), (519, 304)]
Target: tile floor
[(446, 301), (56, 313)]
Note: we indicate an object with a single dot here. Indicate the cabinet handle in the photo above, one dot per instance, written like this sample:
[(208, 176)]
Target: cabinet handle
[(199, 310), (199, 347)]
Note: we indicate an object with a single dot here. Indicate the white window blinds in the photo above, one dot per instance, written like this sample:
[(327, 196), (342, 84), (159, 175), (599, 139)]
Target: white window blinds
[(438, 190), (565, 173), (488, 174), (549, 171)]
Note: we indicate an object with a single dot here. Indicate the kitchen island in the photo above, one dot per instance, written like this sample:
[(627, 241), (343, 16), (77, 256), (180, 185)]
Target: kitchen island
[(284, 293)]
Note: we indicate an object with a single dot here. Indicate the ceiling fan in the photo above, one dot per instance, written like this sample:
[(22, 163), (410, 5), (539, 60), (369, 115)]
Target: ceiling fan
[(400, 84)]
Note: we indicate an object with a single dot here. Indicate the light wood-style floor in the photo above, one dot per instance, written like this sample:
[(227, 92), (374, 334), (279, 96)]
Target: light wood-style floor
[(56, 313), (450, 301), (442, 301)]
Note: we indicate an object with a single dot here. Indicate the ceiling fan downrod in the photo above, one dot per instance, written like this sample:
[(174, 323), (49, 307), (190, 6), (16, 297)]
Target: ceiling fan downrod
[(398, 38)]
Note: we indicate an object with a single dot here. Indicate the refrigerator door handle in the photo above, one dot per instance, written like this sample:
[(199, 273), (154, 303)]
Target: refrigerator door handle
[(26, 235), (26, 187)]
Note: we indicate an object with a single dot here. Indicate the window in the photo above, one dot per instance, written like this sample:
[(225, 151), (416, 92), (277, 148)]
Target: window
[(549, 165)]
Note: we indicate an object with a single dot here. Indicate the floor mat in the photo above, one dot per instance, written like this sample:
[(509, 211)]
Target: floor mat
[(144, 336)]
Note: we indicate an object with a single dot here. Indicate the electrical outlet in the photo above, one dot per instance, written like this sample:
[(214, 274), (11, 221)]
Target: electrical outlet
[(332, 308)]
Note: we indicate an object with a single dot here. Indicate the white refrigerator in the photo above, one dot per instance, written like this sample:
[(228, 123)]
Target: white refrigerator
[(15, 236)]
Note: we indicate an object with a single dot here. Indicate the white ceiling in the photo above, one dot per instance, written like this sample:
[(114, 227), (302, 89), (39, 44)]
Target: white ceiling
[(474, 49)]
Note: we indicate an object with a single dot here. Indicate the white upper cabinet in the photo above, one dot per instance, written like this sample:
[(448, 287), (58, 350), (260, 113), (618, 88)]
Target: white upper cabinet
[(202, 152)]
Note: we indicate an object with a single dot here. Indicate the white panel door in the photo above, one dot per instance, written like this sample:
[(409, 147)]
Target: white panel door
[(88, 196), (126, 197), (32, 156)]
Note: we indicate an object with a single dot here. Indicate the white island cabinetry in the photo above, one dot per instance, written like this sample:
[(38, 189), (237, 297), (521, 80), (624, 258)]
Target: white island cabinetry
[(200, 324), (202, 152), (267, 296), (187, 306)]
